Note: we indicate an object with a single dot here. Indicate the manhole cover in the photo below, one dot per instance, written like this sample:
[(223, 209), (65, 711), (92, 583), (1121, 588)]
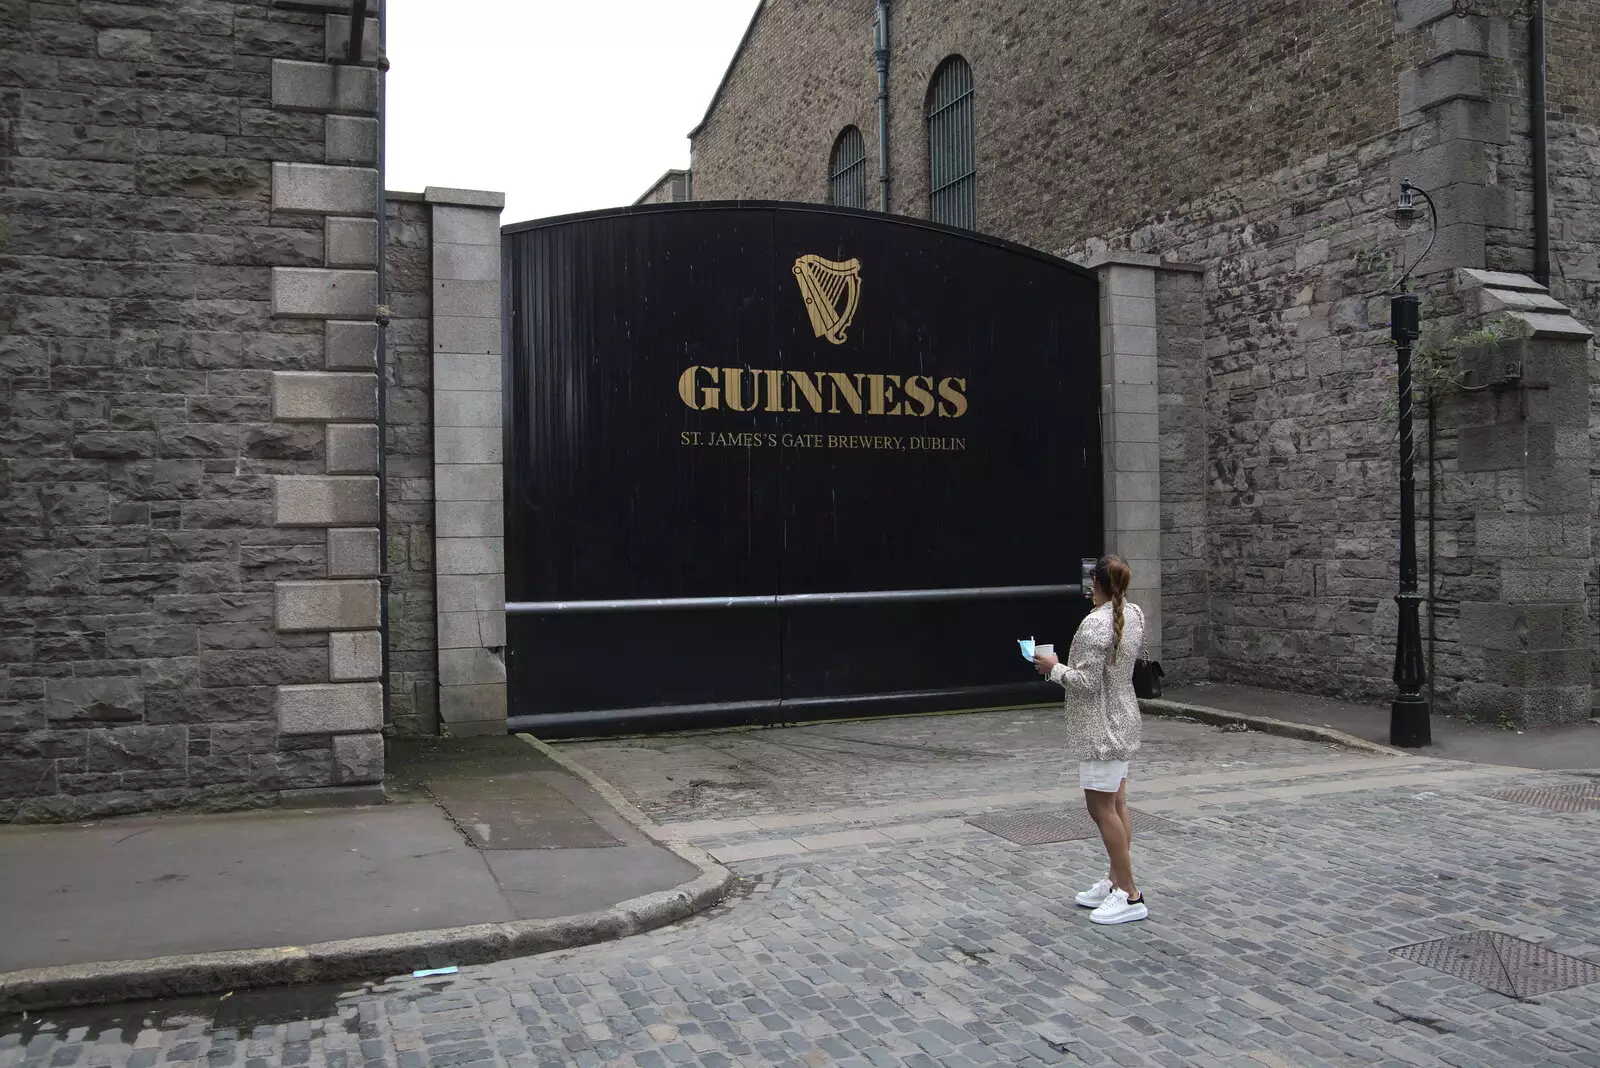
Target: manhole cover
[(1510, 966), (1042, 828), (1579, 797)]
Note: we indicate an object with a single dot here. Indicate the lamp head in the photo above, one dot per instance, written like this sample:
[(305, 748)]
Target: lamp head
[(1405, 210)]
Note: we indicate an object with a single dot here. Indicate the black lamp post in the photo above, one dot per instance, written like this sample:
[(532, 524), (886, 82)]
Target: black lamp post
[(1408, 714)]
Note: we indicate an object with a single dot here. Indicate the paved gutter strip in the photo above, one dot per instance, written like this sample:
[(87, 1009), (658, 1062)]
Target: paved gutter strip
[(857, 815), (1315, 789), (1163, 803)]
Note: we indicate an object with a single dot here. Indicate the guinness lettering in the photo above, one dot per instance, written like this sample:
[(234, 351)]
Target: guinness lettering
[(739, 389)]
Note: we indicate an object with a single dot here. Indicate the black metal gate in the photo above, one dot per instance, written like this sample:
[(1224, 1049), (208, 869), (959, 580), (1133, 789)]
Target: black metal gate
[(777, 462)]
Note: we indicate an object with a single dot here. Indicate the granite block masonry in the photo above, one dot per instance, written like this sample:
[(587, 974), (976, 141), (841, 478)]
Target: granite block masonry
[(187, 491), (469, 538), (342, 296), (1513, 613), (1130, 405), (409, 505)]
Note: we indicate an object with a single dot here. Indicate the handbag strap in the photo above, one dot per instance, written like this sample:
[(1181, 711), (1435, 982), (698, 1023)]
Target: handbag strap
[(1144, 638)]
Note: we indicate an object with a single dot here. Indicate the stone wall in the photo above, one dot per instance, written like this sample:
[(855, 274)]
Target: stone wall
[(1184, 459), (1514, 511), (1572, 36), (1573, 32), (1299, 460), (185, 409), (413, 672)]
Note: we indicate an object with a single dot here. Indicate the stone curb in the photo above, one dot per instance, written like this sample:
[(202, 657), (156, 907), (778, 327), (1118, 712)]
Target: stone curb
[(36, 989), (194, 974), (1266, 725)]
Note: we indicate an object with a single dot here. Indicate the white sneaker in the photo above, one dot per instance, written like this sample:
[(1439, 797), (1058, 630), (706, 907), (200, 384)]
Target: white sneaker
[(1117, 909), (1096, 895)]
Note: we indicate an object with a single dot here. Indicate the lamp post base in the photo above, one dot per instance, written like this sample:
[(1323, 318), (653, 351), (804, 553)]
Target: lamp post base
[(1409, 727)]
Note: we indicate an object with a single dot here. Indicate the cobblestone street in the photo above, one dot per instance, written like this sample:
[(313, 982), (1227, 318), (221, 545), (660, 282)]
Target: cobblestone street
[(875, 927)]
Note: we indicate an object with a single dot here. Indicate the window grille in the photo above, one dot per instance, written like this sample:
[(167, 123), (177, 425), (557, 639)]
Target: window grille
[(847, 170), (952, 155)]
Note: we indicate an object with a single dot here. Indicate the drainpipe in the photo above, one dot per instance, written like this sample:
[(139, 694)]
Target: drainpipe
[(1433, 548), (1537, 107), (881, 56), (358, 26), (384, 578)]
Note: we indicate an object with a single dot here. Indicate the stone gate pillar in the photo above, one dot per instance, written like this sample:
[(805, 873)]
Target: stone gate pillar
[(1130, 443), (1151, 400), (468, 479), (1521, 483)]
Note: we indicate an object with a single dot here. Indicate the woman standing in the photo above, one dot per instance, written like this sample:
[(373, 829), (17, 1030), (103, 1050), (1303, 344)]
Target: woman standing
[(1103, 730)]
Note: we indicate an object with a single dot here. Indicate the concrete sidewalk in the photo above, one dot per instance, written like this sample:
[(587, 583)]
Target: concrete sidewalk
[(1575, 747), (489, 847)]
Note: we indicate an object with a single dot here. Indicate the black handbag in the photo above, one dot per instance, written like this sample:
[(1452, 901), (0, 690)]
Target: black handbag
[(1147, 678)]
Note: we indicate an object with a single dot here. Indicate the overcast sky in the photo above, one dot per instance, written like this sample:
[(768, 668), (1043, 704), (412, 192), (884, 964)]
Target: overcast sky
[(563, 107)]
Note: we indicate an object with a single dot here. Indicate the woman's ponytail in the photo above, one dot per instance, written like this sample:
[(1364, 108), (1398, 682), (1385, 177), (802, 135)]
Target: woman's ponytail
[(1114, 576)]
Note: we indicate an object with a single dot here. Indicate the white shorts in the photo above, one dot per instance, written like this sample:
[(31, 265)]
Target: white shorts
[(1103, 775)]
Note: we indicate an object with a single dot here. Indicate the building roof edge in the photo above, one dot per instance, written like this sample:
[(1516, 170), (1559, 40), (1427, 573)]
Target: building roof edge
[(738, 53), (659, 182)]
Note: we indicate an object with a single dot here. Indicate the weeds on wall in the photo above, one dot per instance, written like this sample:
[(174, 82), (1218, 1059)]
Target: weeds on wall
[(1436, 357)]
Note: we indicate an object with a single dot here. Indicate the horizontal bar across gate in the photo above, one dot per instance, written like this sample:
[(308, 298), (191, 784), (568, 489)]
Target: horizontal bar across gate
[(788, 600)]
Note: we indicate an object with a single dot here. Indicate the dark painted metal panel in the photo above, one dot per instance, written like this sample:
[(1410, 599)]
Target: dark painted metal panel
[(1008, 509), (601, 500), (617, 489)]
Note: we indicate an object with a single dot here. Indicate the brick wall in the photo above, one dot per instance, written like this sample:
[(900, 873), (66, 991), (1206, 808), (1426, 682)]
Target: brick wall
[(151, 403), (808, 74), (1225, 90)]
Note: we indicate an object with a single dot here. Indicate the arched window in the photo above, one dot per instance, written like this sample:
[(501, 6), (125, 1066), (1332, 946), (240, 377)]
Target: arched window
[(847, 170), (952, 155)]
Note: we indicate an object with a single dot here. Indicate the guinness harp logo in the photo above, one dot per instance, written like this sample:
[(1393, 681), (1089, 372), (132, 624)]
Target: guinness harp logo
[(831, 291)]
